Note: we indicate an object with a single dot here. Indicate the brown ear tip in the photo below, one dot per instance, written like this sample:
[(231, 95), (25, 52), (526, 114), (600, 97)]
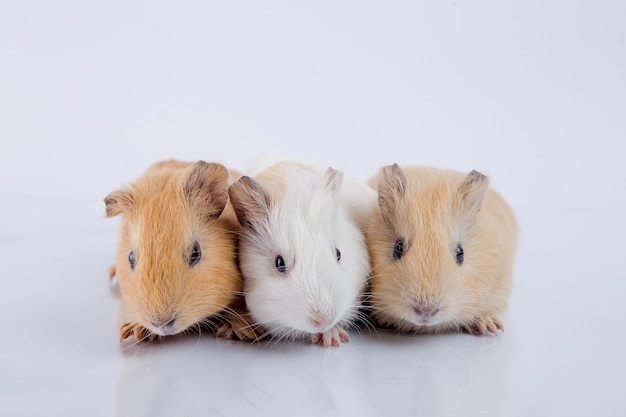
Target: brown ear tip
[(111, 204), (393, 168), (245, 180), (476, 177), (209, 165), (202, 169), (333, 178), (393, 173), (242, 182)]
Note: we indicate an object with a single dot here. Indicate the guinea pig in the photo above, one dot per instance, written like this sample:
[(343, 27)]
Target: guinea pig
[(301, 254), (442, 246), (176, 257)]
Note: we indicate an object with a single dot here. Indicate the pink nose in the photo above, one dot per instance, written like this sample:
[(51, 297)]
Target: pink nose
[(426, 311), (320, 320)]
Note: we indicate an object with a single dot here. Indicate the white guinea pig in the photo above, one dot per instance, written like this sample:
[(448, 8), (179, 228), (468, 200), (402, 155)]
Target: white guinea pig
[(302, 256)]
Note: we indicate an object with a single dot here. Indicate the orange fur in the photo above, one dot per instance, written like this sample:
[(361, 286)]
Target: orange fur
[(164, 212), (433, 211)]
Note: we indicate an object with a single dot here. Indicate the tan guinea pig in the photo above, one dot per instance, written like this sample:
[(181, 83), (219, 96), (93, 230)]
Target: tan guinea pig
[(442, 247), (176, 257)]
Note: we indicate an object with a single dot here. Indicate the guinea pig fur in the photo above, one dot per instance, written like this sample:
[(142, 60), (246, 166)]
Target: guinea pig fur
[(302, 256), (176, 257), (442, 246)]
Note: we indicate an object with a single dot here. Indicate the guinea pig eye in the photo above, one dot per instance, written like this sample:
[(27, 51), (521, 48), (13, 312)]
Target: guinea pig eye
[(458, 253), (196, 255), (398, 249), (338, 253), (280, 264), (131, 260)]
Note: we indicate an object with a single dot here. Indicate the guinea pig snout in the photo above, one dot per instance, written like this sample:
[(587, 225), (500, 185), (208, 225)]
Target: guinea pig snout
[(320, 320), (426, 313), (164, 325)]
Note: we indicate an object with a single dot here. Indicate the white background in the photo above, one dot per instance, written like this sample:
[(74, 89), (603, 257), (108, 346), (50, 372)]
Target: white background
[(532, 93)]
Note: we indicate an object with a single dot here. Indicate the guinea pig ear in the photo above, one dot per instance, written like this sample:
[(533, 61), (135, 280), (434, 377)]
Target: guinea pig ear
[(206, 187), (332, 180), (472, 192), (391, 190), (118, 201), (250, 201)]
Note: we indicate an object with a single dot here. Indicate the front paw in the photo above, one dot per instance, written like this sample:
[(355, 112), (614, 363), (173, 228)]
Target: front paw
[(332, 337), (245, 331), (226, 331), (138, 331), (238, 325), (480, 326), (239, 322)]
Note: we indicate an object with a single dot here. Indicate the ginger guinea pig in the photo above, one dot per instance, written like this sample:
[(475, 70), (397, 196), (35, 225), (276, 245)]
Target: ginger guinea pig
[(302, 256), (176, 257), (442, 247)]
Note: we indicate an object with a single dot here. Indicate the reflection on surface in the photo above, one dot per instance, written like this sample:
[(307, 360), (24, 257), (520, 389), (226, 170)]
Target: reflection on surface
[(375, 374)]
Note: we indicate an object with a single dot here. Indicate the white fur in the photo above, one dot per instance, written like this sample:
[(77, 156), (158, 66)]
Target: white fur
[(305, 227)]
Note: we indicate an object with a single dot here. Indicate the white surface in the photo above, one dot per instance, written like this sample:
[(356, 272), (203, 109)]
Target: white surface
[(533, 93)]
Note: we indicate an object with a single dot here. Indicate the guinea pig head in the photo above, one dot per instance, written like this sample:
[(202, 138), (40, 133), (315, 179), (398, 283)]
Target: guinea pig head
[(297, 253), (176, 260), (423, 246)]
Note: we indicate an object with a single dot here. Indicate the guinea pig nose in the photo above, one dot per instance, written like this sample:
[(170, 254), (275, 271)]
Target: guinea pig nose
[(426, 311), (168, 322), (319, 319)]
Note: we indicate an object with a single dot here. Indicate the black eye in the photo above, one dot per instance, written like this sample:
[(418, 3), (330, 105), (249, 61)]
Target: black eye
[(338, 252), (398, 249), (131, 260), (196, 255), (458, 253), (280, 264)]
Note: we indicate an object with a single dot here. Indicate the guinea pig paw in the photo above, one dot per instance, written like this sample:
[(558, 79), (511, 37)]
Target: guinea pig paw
[(226, 331), (332, 337), (139, 332), (483, 325), (242, 325), (245, 332), (112, 272)]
